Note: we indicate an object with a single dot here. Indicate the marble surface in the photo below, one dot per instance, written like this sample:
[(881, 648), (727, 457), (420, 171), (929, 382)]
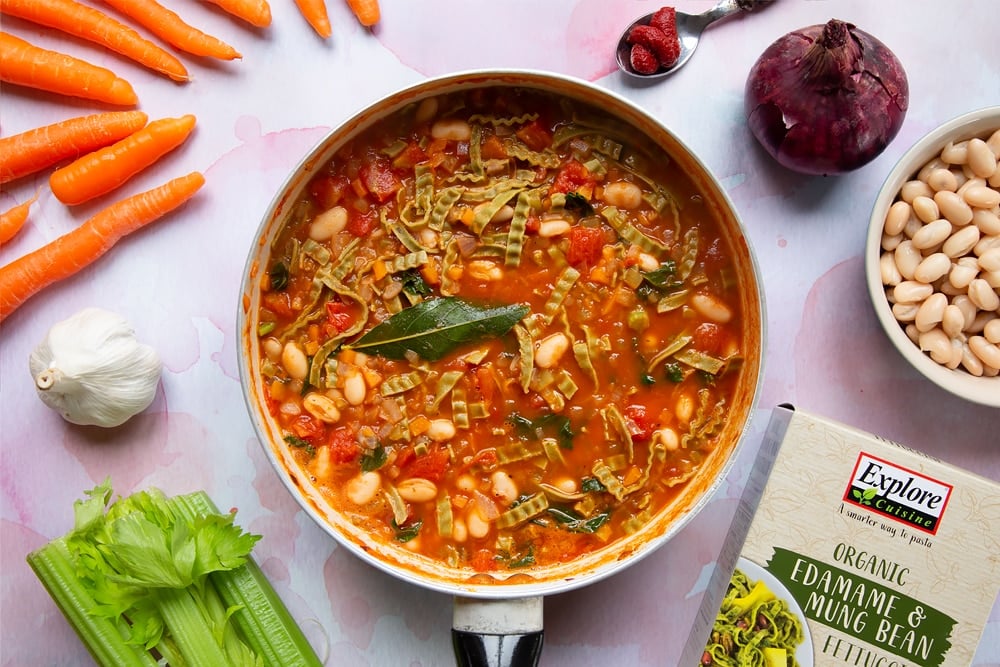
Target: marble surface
[(178, 281)]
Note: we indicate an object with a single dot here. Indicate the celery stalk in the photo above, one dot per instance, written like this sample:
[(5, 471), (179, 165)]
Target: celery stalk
[(189, 629), (53, 567), (262, 618)]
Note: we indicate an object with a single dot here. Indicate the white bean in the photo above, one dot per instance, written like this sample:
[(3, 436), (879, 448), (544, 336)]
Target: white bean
[(890, 242), (426, 110), (957, 351), (477, 525), (668, 436), (911, 291), (981, 197), (553, 227), (888, 269), (952, 320), (931, 312), (988, 222), (953, 208), (990, 260), (991, 331), (503, 487), (441, 430), (970, 362), (982, 295), (913, 189), (942, 179), (294, 361), (932, 267), (986, 243), (982, 161), (417, 490), (968, 309), (710, 307), (272, 348), (905, 312), (459, 531), (926, 209), (355, 388), (550, 350), (955, 153), (328, 224), (961, 242), (962, 274), (994, 143), (895, 219), (485, 270), (937, 343), (451, 129), (623, 194), (987, 352), (321, 407), (907, 259), (932, 234), (684, 408), (362, 489), (647, 262)]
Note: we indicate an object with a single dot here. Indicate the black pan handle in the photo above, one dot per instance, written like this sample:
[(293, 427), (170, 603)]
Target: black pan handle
[(497, 633)]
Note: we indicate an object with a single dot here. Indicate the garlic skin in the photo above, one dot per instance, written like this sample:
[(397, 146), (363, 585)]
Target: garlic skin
[(91, 369)]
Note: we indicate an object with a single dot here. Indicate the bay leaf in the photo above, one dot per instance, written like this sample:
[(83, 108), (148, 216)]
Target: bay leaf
[(435, 327)]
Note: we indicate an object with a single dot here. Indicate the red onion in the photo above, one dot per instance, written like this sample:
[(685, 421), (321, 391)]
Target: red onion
[(826, 99)]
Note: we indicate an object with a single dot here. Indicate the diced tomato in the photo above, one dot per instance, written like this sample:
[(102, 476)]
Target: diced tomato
[(532, 224), (411, 156), (379, 179), (708, 337), (309, 429), (486, 384), (639, 422), (571, 177), (328, 190), (493, 149), (483, 561), (430, 466), (585, 245), (344, 446), (278, 303), (338, 318), (534, 135), (485, 458), (361, 224)]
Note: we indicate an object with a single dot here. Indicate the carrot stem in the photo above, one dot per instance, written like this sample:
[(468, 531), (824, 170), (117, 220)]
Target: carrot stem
[(25, 64), (105, 169), (80, 247), (93, 25), (171, 28), (315, 13), (14, 218), (36, 149)]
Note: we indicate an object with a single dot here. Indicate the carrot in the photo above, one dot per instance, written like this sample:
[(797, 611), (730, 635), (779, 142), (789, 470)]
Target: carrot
[(367, 11), (107, 168), (25, 64), (314, 11), (33, 150), (93, 25), (71, 252), (172, 29), (13, 219), (255, 12)]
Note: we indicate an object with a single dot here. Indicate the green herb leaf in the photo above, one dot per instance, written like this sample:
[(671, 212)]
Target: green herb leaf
[(278, 276), (572, 521), (552, 425), (524, 561), (435, 327), (407, 532), (577, 202), (374, 459), (674, 372), (663, 278), (591, 485), (295, 441), (413, 283)]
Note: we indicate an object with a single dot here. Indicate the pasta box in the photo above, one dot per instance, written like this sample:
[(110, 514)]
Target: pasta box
[(850, 549)]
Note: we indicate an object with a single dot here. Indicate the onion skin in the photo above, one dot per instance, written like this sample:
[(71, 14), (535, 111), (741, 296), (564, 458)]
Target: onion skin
[(826, 99)]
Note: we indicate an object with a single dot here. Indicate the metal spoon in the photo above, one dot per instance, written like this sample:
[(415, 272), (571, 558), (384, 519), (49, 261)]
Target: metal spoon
[(689, 29)]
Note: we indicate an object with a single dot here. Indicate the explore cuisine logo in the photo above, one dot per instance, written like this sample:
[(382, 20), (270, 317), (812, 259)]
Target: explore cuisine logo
[(898, 493)]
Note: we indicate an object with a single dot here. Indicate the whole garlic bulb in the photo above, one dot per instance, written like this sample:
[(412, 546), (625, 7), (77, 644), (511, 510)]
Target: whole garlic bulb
[(91, 369)]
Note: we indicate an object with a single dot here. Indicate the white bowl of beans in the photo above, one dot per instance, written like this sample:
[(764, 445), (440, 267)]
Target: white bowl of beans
[(933, 256)]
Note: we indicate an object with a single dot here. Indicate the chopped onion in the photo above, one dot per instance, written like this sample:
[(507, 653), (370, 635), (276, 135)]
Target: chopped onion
[(826, 99)]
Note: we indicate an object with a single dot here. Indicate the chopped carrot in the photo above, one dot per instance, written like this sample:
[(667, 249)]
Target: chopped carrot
[(103, 170), (172, 29), (255, 12), (366, 11), (314, 11), (93, 25), (71, 252), (24, 64), (14, 218), (33, 150)]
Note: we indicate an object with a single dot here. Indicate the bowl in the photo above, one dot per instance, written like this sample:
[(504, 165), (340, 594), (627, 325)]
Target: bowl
[(397, 559), (897, 310)]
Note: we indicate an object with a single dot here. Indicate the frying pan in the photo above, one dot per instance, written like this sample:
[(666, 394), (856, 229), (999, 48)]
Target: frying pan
[(497, 617)]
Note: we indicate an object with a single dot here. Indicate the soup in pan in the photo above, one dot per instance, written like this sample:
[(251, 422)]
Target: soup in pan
[(498, 334)]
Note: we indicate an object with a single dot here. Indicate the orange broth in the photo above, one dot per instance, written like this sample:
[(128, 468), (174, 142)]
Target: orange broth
[(535, 443)]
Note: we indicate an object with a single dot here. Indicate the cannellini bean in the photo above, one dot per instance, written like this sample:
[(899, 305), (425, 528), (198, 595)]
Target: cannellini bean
[(937, 343), (362, 489), (888, 269), (668, 437), (483, 269), (979, 322), (932, 267), (911, 332), (982, 295), (890, 242), (417, 490), (911, 291), (466, 483), (623, 194), (969, 310), (962, 274), (647, 262), (913, 189), (553, 227), (459, 531), (321, 407), (991, 331), (905, 312), (970, 361), (550, 350), (451, 129), (913, 225), (328, 224), (925, 172), (441, 430), (294, 361), (942, 178), (355, 389), (926, 209), (981, 196), (994, 143), (503, 487), (987, 352), (957, 350), (895, 219), (566, 485), (931, 312), (955, 153), (907, 259), (945, 287), (932, 234), (272, 348), (477, 525), (990, 260), (426, 110), (961, 242), (708, 306), (985, 244), (952, 320), (982, 161), (953, 207), (684, 408)]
